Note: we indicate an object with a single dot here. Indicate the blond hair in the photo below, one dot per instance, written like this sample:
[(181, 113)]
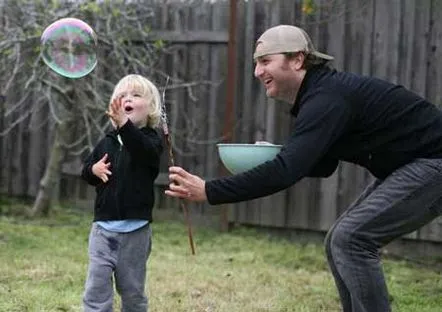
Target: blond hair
[(147, 90)]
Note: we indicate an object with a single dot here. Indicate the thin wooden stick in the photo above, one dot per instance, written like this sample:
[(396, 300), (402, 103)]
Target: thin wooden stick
[(172, 163), (181, 201)]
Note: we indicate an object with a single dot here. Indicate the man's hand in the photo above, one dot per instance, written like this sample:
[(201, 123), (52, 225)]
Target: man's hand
[(186, 185), (101, 169), (116, 112)]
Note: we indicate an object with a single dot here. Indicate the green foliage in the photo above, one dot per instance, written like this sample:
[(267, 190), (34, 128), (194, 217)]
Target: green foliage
[(90, 7), (115, 12), (309, 7), (159, 44), (55, 4)]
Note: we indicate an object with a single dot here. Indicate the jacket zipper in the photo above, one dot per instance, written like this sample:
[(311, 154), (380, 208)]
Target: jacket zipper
[(118, 175)]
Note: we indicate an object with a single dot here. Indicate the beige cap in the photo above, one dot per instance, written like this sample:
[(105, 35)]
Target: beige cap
[(286, 38)]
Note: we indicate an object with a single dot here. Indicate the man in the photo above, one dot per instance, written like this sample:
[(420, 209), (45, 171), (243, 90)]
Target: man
[(390, 131)]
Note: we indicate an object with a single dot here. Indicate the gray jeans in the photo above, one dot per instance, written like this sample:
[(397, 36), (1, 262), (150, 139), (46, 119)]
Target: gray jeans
[(406, 200), (119, 256)]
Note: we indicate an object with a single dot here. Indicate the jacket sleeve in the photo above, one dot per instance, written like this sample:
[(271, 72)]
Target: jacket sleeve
[(322, 120), (324, 168), (143, 144)]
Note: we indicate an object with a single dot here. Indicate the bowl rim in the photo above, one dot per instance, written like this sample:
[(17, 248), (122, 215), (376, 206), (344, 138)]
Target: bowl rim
[(247, 144)]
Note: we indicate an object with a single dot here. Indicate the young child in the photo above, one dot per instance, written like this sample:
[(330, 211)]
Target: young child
[(123, 167)]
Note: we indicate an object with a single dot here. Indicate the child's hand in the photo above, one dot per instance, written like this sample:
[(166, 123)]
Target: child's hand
[(101, 169), (116, 112)]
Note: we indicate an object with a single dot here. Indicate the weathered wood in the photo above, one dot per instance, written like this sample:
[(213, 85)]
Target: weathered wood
[(357, 36), (179, 118), (297, 202), (434, 65), (336, 43), (246, 101), (386, 44), (397, 40), (328, 209), (406, 46), (190, 36), (421, 39), (216, 90)]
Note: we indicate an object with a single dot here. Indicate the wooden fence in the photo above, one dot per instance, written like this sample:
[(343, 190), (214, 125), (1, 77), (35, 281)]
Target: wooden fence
[(400, 41)]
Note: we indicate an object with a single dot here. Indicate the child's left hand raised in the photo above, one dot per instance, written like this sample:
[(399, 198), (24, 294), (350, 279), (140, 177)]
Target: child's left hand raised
[(116, 112)]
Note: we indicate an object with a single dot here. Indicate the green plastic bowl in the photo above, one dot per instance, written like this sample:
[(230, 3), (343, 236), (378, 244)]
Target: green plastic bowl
[(238, 158)]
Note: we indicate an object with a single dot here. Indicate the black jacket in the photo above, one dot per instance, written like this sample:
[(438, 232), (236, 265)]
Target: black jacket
[(342, 116), (129, 193)]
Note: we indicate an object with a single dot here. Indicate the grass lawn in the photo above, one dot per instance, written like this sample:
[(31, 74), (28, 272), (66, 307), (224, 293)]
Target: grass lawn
[(43, 265)]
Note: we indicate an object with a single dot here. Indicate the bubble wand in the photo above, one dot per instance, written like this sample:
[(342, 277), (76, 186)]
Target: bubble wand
[(172, 163)]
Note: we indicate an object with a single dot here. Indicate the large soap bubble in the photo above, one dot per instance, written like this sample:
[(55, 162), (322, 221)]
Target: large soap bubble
[(69, 47)]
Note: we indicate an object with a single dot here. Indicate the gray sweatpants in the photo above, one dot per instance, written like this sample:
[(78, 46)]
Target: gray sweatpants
[(406, 200), (119, 256)]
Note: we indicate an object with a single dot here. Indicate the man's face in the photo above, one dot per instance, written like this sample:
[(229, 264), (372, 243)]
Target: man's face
[(278, 75), (135, 106)]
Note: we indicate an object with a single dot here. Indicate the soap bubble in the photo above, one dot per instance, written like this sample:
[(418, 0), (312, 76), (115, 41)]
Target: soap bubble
[(68, 47)]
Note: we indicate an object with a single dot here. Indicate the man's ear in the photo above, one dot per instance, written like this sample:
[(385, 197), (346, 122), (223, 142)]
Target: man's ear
[(297, 62)]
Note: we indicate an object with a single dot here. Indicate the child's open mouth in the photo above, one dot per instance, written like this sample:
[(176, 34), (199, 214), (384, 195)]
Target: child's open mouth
[(128, 109)]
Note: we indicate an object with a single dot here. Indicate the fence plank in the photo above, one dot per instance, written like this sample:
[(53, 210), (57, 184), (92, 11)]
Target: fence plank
[(249, 44), (386, 44), (179, 115), (420, 47), (435, 55), (406, 44), (328, 209), (298, 201), (357, 38), (217, 89), (336, 34)]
